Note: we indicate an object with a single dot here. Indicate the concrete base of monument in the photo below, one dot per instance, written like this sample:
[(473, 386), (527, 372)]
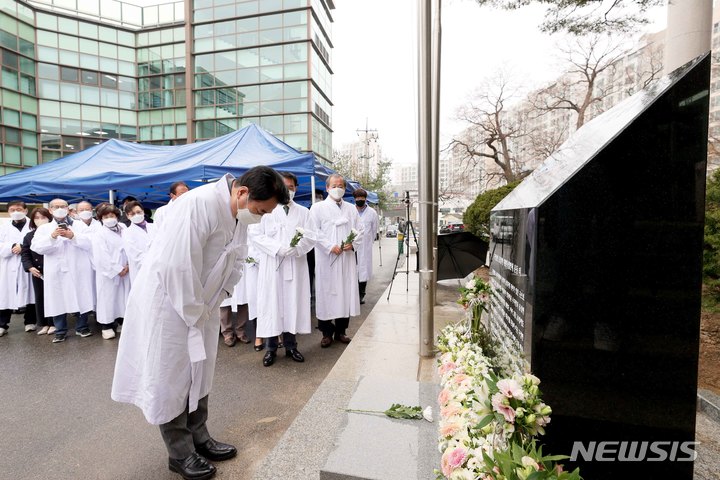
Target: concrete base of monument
[(377, 447)]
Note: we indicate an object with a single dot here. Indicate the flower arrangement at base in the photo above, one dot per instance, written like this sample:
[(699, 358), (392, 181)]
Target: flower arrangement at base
[(489, 415)]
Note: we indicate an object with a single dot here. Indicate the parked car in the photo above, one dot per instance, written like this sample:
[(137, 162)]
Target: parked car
[(391, 231)]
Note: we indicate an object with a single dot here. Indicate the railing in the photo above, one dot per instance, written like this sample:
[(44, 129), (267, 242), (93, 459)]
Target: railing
[(125, 14)]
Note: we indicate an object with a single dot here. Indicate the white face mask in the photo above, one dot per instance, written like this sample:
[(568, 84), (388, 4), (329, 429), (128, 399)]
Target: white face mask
[(292, 194), (17, 216), (137, 218), (244, 215), (336, 193), (60, 213), (110, 222), (85, 214), (41, 221)]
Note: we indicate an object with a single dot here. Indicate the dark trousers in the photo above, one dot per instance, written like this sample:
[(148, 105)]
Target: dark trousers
[(60, 322), (361, 288), (183, 432), (289, 341), (328, 329), (7, 313), (38, 286)]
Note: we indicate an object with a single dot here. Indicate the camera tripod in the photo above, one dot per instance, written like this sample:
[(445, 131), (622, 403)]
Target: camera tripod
[(408, 228)]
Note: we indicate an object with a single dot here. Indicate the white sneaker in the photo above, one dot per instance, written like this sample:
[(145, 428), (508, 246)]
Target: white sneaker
[(51, 330), (3, 331), (108, 334), (43, 331), (30, 328)]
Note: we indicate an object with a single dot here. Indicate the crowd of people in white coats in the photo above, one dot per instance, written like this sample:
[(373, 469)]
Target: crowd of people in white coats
[(72, 260)]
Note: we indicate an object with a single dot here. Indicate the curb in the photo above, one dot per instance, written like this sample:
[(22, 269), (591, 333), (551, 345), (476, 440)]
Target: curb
[(709, 404)]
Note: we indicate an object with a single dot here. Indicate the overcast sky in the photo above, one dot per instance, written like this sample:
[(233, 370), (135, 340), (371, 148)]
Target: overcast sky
[(375, 58)]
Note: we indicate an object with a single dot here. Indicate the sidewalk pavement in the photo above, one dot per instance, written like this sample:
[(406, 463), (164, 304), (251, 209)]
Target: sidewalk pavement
[(379, 367)]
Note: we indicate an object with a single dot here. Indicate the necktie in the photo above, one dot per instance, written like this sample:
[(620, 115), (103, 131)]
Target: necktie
[(286, 208)]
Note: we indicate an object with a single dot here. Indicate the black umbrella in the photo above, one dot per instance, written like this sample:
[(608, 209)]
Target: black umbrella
[(459, 254)]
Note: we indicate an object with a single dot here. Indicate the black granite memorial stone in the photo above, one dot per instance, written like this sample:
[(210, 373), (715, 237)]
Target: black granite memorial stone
[(596, 260)]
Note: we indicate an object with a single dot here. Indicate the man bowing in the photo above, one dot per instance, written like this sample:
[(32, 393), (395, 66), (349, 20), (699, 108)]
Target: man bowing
[(166, 357)]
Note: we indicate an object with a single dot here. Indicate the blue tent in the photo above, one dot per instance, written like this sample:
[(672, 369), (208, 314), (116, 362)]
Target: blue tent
[(147, 171)]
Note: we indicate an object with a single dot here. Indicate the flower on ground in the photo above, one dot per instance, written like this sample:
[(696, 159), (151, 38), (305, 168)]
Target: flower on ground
[(427, 414)]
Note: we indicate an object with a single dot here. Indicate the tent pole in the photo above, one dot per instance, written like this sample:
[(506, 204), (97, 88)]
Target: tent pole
[(312, 188), (111, 197)]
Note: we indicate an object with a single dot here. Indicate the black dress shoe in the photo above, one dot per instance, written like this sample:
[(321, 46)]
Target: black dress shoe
[(295, 355), (193, 467), (259, 347), (216, 451), (269, 358)]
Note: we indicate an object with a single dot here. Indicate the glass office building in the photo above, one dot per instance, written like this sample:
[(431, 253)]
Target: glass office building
[(78, 72)]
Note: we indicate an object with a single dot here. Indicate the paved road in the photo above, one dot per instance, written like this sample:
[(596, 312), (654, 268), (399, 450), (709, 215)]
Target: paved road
[(57, 420)]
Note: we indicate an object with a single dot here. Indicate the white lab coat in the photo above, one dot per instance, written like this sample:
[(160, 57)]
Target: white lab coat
[(15, 288), (136, 242), (161, 212), (167, 352), (364, 248), (336, 286), (67, 269), (239, 296), (251, 272), (284, 282), (112, 289)]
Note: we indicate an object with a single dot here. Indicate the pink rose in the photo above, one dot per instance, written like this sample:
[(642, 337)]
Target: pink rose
[(444, 396), (447, 367), (462, 379), (457, 457), (499, 405), (448, 411), (449, 429)]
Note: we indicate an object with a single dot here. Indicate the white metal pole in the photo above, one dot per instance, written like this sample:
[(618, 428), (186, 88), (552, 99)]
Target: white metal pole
[(425, 179), (436, 55)]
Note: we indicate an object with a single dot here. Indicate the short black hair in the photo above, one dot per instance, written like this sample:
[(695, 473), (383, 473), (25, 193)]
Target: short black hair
[(264, 183), (16, 202), (290, 176), (130, 205), (359, 192), (129, 199), (174, 186)]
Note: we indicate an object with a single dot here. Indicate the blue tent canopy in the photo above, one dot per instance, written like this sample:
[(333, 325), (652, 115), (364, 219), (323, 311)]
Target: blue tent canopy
[(147, 171)]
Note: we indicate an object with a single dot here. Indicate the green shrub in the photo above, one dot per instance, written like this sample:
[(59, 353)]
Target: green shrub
[(477, 215), (711, 247)]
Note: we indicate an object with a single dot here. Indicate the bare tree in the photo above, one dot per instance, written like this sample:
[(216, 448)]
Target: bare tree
[(489, 132), (580, 17), (594, 73)]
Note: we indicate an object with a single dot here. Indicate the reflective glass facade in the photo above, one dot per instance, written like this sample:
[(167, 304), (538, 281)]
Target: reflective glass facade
[(78, 72)]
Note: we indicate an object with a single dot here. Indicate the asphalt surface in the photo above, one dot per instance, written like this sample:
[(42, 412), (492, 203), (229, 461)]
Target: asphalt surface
[(57, 420)]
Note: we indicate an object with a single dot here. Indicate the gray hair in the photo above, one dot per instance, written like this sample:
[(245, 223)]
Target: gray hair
[(333, 176)]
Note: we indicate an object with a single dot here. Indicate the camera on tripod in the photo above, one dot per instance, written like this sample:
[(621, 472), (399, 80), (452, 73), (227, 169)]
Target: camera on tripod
[(406, 199)]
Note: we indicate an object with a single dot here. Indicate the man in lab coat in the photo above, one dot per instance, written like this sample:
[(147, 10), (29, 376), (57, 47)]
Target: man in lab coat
[(369, 220), (176, 189), (336, 274), (284, 278), (166, 356), (15, 288), (67, 270)]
